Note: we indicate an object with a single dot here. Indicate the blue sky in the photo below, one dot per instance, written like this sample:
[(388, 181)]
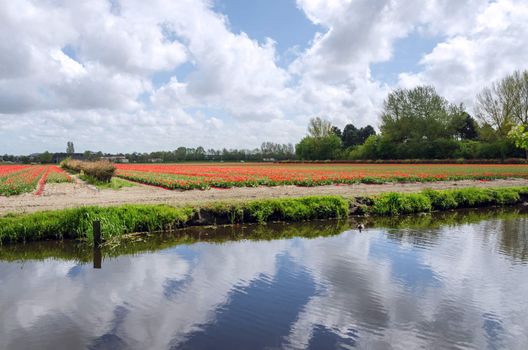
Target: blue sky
[(406, 57), (280, 20), (125, 76)]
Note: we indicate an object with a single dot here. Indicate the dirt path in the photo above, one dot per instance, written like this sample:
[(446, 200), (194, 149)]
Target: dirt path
[(59, 196)]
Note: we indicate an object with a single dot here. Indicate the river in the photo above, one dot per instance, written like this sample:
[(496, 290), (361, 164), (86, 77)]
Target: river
[(441, 281)]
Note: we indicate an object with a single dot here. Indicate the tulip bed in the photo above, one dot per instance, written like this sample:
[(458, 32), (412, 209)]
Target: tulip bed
[(227, 175), (17, 179)]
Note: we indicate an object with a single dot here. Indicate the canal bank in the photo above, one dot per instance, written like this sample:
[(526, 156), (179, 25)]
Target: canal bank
[(119, 220)]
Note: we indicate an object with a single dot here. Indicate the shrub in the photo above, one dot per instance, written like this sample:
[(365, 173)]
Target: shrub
[(100, 170)]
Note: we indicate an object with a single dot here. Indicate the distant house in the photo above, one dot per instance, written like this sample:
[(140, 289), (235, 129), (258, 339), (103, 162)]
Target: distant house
[(155, 160), (115, 159)]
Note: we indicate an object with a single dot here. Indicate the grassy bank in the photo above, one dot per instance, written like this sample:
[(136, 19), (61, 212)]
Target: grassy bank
[(390, 204), (115, 221), (77, 223)]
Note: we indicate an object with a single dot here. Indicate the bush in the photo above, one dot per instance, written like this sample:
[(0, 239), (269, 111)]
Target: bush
[(100, 170), (72, 165)]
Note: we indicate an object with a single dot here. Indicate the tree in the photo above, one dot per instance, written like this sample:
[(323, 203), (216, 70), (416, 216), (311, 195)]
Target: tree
[(319, 148), (464, 127), (69, 148), (180, 154), (519, 135), (319, 127), (199, 153), (416, 114), (88, 155), (45, 158), (350, 136), (277, 151), (505, 103), (365, 133), (336, 131), (368, 150)]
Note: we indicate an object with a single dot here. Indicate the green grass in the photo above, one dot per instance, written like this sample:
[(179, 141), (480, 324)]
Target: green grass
[(115, 183), (115, 221), (390, 204)]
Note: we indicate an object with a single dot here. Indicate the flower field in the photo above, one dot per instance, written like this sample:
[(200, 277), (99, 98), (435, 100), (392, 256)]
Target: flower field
[(226, 175), (17, 179)]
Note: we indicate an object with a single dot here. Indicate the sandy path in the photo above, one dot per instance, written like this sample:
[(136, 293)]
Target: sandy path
[(59, 196)]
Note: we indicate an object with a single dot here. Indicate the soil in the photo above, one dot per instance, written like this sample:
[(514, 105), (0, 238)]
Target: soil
[(69, 195)]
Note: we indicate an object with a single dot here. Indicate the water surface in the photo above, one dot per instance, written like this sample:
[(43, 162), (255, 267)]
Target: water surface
[(458, 280)]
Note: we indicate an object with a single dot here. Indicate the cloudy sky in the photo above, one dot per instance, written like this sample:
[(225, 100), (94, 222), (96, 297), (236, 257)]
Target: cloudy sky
[(133, 75)]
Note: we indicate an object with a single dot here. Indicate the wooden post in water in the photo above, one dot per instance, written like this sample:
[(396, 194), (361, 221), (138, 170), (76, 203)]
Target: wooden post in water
[(97, 258)]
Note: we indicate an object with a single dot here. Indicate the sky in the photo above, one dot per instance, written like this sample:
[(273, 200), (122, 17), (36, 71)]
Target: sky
[(132, 75)]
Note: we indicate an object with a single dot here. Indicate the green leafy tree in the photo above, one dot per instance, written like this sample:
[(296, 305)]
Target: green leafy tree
[(336, 131), (464, 127), (519, 135), (319, 148), (88, 155), (46, 158), (416, 114), (368, 150), (350, 136), (365, 133), (199, 153)]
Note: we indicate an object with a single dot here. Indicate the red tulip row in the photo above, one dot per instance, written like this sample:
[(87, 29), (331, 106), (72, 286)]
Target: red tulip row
[(203, 176), (15, 180)]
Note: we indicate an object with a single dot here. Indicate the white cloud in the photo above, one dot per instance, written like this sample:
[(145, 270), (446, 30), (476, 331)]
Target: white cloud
[(82, 60), (465, 63)]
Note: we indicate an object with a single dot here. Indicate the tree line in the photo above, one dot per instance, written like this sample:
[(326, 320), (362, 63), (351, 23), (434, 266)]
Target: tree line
[(418, 123), (268, 151)]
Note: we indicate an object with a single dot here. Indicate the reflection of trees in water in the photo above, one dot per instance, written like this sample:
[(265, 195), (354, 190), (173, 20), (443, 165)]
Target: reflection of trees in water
[(81, 252), (514, 238), (509, 235), (509, 224)]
